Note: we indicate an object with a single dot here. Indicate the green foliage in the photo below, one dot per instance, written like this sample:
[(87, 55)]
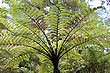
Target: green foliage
[(57, 34)]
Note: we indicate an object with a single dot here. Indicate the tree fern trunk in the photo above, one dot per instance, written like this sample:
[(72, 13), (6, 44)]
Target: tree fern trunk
[(55, 62), (56, 68)]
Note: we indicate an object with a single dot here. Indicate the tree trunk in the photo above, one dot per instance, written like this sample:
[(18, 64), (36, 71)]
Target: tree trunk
[(56, 68), (55, 62)]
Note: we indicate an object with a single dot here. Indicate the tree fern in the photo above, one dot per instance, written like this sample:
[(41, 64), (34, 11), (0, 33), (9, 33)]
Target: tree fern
[(32, 27)]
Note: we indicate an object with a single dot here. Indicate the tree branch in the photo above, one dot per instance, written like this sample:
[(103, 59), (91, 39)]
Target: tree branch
[(26, 46), (29, 39), (86, 40), (69, 34), (34, 33), (57, 31), (65, 44), (51, 48)]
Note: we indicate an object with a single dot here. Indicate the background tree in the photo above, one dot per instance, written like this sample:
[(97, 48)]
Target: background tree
[(53, 32)]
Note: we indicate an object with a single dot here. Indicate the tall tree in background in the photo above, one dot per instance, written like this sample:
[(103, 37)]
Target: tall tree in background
[(51, 28)]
